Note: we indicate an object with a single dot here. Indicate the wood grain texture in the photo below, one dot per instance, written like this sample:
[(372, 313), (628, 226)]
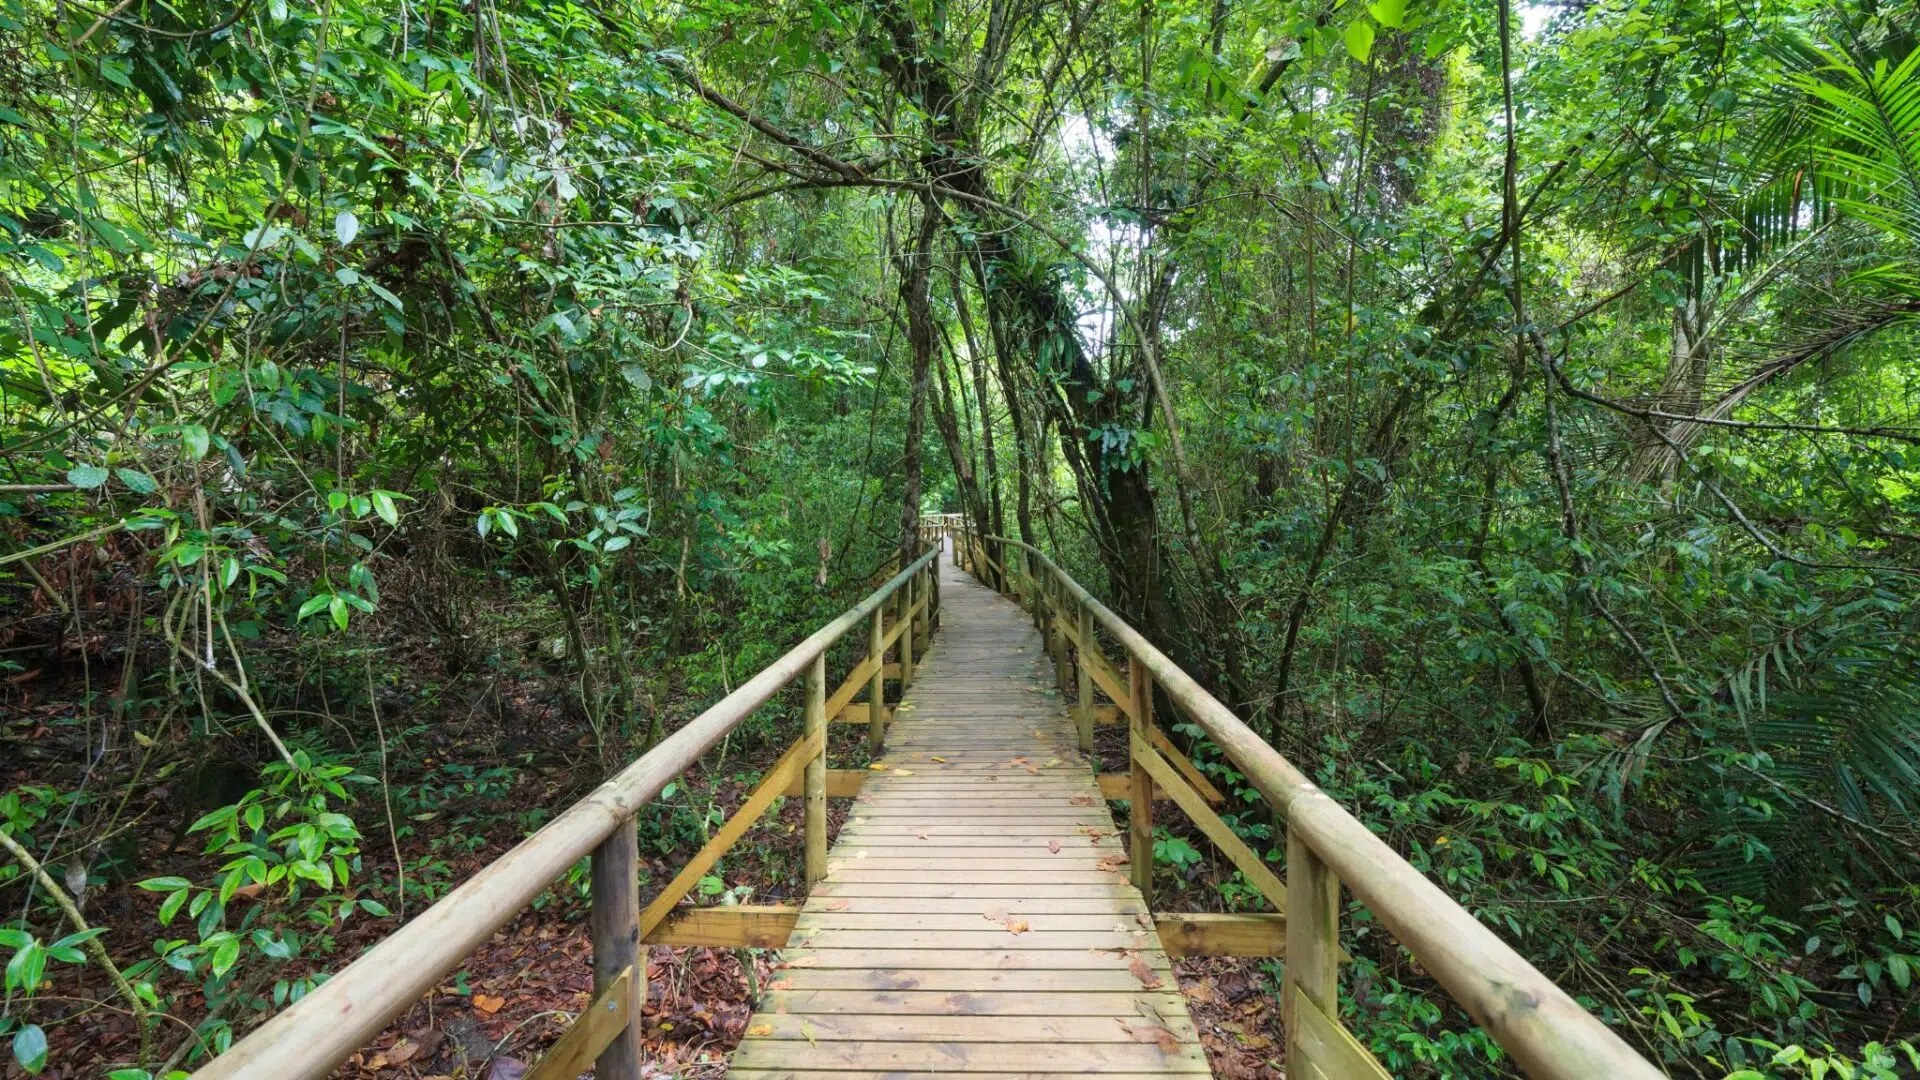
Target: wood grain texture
[(977, 916)]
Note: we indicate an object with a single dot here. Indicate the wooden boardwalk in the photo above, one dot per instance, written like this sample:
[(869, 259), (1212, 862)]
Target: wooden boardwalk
[(976, 918)]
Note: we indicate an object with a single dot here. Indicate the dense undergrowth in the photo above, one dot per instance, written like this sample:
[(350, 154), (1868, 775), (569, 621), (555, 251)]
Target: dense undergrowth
[(411, 411)]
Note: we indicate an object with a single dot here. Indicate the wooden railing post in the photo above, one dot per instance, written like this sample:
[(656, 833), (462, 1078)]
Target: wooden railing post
[(1083, 682), (1057, 621), (1313, 949), (1034, 586), (934, 598), (906, 635), (923, 623), (1140, 795), (615, 928), (877, 683), (816, 778)]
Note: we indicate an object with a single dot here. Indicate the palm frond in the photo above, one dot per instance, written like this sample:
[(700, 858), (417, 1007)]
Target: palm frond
[(1868, 148)]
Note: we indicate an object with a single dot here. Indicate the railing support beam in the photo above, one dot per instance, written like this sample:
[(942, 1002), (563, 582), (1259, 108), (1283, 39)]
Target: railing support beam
[(877, 684), (1313, 947), (1083, 682), (615, 926), (816, 797), (1140, 807)]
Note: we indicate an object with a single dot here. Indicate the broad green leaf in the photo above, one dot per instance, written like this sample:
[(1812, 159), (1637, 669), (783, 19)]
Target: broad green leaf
[(30, 1048), (383, 505), (1390, 12), (1360, 39), (86, 476), (137, 481), (163, 884)]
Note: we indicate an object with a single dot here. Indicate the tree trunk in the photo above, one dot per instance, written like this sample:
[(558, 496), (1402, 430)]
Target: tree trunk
[(916, 295)]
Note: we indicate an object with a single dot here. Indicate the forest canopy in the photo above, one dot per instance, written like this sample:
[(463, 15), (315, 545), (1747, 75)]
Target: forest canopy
[(412, 411)]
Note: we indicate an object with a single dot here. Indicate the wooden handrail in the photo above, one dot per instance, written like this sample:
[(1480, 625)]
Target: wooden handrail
[(310, 1038), (1546, 1031)]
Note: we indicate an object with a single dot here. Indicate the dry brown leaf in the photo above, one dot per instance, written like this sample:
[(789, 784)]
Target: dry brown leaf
[(1148, 1034), (1138, 966), (1143, 919), (835, 905), (487, 1005), (403, 1051), (1113, 862), (1082, 799), (1018, 926)]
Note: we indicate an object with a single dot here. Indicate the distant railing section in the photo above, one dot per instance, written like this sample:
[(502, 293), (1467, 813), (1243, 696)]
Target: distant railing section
[(1546, 1031), (312, 1037)]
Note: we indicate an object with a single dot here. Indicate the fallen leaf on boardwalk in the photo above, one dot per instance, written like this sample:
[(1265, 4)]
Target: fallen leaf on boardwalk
[(878, 766), (1052, 763), (903, 772), (921, 835), (1095, 834), (1112, 862), (1082, 799), (1053, 846), (938, 758), (1138, 966), (1147, 1034), (760, 1029), (1018, 761), (835, 905), (487, 1005), (807, 1030), (1143, 919), (1018, 926)]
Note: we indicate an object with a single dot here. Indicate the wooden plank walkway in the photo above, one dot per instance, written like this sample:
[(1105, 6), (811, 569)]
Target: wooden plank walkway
[(976, 918)]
